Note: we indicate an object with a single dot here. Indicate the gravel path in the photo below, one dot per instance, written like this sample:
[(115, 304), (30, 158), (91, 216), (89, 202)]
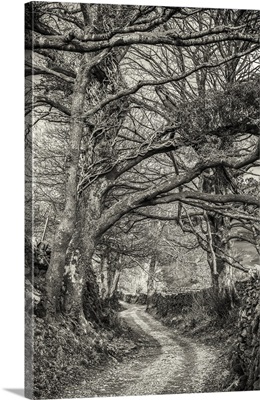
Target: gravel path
[(167, 363)]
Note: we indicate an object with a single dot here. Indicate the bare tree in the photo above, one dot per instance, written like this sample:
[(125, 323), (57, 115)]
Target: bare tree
[(82, 75)]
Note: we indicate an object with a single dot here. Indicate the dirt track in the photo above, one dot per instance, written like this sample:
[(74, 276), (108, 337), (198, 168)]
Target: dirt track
[(167, 363)]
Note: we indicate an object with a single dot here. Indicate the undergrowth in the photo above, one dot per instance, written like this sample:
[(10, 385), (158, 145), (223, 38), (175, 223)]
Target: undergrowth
[(63, 353), (207, 321)]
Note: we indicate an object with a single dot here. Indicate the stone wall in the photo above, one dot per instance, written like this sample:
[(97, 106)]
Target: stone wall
[(132, 298), (171, 304), (245, 354), (176, 304)]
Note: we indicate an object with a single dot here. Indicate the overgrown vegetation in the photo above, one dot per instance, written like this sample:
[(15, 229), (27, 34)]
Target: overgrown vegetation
[(64, 352)]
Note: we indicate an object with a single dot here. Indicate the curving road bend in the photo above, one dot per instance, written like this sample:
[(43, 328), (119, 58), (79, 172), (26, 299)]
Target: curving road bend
[(167, 363)]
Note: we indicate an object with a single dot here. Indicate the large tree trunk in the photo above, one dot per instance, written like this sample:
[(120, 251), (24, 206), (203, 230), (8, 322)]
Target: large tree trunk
[(150, 280), (65, 229), (218, 245), (221, 271), (76, 275), (110, 273), (94, 20), (81, 250), (227, 288), (104, 272), (115, 282)]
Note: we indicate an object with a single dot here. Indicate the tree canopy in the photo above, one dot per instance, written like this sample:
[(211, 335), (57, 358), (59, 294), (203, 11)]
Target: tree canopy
[(139, 113)]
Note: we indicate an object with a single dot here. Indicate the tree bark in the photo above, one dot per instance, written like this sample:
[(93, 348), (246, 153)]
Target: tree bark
[(115, 282), (150, 280), (110, 274), (65, 229), (222, 275), (81, 250), (227, 288), (104, 289), (76, 274)]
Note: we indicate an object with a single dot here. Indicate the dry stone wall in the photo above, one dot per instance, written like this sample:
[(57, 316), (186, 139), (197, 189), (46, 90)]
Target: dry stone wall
[(245, 355), (171, 304)]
